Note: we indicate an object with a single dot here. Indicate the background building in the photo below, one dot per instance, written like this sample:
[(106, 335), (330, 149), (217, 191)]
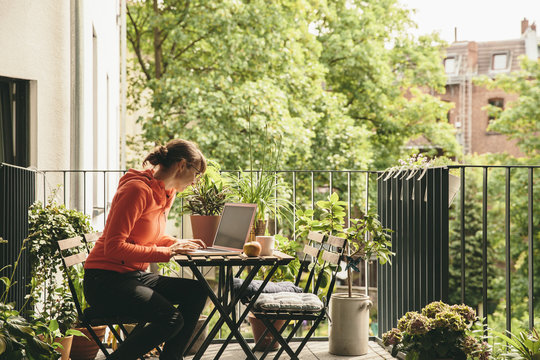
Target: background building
[(468, 59)]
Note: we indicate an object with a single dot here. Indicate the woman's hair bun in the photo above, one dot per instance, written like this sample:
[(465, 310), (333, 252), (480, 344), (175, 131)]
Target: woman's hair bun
[(162, 152)]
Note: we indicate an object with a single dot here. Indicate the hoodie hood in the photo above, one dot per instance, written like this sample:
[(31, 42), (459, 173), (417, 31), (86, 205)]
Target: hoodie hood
[(162, 196)]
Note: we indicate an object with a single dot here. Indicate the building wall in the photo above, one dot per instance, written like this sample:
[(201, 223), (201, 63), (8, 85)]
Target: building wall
[(482, 140), (37, 44)]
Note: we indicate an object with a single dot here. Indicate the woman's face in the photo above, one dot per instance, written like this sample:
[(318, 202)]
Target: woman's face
[(186, 175)]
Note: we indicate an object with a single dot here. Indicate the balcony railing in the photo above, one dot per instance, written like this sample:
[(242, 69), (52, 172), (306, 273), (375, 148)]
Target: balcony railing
[(491, 226)]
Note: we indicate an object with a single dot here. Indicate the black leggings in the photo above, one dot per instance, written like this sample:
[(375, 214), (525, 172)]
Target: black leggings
[(150, 297)]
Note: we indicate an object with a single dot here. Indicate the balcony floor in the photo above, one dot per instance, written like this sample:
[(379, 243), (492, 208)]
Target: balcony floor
[(315, 350)]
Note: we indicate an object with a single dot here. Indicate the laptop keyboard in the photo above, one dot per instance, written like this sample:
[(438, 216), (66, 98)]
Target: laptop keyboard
[(210, 249)]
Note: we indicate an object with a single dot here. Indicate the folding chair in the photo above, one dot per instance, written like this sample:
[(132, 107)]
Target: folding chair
[(74, 252), (321, 253)]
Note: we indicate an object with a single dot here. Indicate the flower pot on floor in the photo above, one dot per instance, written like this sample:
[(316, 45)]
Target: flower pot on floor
[(258, 328), (66, 343), (205, 227), (349, 325), (86, 349)]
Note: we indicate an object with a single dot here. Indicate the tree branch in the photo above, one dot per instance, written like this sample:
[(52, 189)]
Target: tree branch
[(136, 43)]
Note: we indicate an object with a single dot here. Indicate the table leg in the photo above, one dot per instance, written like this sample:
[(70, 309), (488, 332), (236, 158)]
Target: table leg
[(224, 318), (248, 307)]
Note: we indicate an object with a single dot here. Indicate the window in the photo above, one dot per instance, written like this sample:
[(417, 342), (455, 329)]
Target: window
[(497, 102), (14, 121), (450, 65), (499, 61)]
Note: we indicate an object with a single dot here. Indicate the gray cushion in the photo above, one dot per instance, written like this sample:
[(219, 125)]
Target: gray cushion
[(286, 301)]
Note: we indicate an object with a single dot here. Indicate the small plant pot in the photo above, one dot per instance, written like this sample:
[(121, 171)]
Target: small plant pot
[(259, 227), (66, 343), (258, 328)]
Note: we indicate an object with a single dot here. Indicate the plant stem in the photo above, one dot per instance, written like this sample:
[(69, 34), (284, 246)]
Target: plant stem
[(349, 281)]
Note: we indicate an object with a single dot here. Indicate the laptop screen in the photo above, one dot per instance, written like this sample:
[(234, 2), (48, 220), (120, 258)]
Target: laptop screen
[(235, 225)]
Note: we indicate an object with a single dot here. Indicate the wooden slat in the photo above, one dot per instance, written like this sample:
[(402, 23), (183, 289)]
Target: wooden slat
[(92, 237), (75, 259), (336, 241), (330, 257), (316, 236), (310, 250), (70, 243)]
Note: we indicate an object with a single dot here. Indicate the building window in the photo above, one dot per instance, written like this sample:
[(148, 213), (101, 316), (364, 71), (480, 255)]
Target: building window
[(499, 61), (14, 121), (496, 102), (450, 65)]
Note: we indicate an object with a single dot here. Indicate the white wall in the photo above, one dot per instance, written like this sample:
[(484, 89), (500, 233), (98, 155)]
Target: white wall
[(36, 44)]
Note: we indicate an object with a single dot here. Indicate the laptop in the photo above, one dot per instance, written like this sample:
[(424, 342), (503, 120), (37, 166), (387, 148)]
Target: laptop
[(233, 230)]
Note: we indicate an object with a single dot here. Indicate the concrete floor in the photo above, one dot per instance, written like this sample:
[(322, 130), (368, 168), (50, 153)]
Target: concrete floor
[(314, 350)]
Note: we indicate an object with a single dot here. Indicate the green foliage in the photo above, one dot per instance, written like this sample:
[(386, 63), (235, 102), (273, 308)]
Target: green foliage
[(524, 345), (48, 224), (261, 188), (439, 331), (284, 272), (327, 218), (520, 120), (474, 260), (319, 75), (366, 236), (208, 196), (18, 336)]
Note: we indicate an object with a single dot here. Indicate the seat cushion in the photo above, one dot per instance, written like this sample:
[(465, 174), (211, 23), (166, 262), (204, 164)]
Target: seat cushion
[(286, 301)]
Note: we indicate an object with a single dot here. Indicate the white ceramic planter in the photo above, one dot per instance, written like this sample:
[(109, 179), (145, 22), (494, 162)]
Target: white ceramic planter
[(349, 325)]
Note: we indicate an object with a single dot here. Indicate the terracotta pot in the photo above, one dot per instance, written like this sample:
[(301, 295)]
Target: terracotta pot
[(86, 349), (258, 328), (66, 347), (205, 227)]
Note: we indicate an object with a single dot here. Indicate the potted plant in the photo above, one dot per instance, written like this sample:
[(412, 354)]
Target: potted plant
[(261, 186), (439, 331), (51, 297), (205, 201), (19, 336), (366, 239)]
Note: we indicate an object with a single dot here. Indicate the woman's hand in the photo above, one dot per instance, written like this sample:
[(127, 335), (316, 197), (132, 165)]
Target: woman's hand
[(183, 246)]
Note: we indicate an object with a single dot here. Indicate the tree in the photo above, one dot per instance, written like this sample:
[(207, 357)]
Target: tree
[(383, 72), (311, 75)]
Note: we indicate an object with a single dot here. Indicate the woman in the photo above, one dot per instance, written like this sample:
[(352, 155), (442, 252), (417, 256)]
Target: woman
[(115, 280)]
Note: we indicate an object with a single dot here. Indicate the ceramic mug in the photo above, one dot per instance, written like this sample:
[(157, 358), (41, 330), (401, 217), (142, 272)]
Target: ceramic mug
[(267, 245)]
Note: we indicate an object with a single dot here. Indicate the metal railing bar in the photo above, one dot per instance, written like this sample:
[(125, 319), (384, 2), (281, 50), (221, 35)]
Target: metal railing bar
[(494, 166), (507, 252), (484, 248), (462, 232), (531, 246)]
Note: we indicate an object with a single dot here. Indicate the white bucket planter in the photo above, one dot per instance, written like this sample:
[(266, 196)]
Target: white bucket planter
[(349, 324)]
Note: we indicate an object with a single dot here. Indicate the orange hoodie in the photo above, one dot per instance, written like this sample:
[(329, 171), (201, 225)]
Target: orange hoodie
[(133, 235)]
